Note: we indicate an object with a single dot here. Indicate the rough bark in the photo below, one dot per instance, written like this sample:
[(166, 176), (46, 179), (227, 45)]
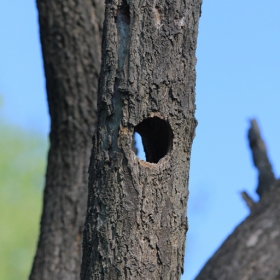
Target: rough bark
[(136, 218), (71, 43), (252, 251)]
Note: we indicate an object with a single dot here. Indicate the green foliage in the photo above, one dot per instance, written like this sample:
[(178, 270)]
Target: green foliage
[(22, 168)]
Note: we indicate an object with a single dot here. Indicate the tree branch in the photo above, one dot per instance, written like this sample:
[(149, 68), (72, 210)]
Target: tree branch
[(260, 158)]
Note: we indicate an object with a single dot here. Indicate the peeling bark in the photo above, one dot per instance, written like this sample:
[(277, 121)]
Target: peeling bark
[(71, 42), (136, 219)]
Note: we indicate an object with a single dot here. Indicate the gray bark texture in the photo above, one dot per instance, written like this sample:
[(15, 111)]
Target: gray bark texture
[(252, 251), (71, 43), (136, 218)]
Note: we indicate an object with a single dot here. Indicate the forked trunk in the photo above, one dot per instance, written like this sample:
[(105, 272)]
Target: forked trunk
[(252, 251)]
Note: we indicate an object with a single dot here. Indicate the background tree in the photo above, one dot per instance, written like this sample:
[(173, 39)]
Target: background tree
[(252, 251), (71, 43), (21, 181)]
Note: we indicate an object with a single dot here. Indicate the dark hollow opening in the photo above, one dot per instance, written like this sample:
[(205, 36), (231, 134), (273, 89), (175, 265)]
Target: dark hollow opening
[(156, 136)]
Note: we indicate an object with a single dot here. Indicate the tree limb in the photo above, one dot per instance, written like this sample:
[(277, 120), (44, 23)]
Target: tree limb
[(260, 158)]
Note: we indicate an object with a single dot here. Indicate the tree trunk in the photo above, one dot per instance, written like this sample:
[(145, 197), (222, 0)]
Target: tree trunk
[(136, 218), (71, 42), (252, 251)]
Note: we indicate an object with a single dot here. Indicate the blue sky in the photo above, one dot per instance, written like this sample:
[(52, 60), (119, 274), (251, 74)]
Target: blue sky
[(238, 61)]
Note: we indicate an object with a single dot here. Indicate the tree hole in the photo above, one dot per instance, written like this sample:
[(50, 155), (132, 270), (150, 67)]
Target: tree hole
[(152, 139)]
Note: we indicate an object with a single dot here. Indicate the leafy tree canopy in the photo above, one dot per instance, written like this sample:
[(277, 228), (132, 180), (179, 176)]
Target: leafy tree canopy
[(22, 167)]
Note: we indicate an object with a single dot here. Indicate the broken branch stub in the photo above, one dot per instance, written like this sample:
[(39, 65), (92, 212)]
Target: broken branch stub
[(260, 158)]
